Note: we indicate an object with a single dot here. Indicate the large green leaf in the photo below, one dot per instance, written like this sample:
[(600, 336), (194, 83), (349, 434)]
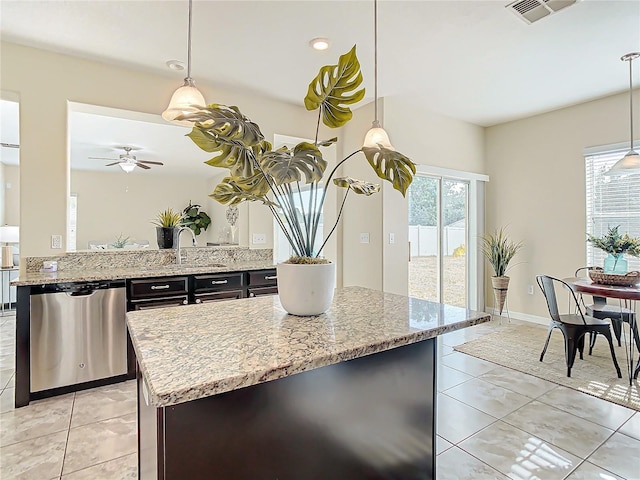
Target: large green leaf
[(227, 132), (333, 90), (228, 192), (358, 186), (256, 184), (392, 166), (286, 166)]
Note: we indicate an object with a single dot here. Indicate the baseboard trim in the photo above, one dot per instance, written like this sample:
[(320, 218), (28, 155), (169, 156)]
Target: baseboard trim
[(521, 316)]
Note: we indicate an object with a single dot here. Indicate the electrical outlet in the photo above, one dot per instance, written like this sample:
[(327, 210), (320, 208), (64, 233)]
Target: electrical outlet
[(392, 238), (56, 241), (259, 238), (530, 289), (364, 237)]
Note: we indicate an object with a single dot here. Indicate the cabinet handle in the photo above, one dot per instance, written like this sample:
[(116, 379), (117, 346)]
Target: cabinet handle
[(219, 282), (270, 277), (159, 287), (198, 300)]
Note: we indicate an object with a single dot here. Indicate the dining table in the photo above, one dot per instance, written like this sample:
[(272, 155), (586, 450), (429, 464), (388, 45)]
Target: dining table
[(627, 296)]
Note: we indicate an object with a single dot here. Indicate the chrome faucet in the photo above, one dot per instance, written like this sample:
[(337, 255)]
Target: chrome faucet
[(193, 237)]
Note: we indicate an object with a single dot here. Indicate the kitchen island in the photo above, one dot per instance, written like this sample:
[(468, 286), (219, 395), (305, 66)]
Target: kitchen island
[(242, 390)]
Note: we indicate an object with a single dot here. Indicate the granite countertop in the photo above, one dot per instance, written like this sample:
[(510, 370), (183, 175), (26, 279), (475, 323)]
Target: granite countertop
[(195, 351), (97, 274)]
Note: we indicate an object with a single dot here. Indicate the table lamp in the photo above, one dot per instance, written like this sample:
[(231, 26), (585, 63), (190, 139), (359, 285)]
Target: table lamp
[(8, 234)]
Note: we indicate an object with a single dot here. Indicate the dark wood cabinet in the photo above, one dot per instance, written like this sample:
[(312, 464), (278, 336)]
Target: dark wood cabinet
[(144, 288), (261, 278), (147, 293)]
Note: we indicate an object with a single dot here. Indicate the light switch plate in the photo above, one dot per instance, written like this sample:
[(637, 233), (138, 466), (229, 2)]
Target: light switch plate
[(56, 241), (392, 238), (259, 238), (364, 237)]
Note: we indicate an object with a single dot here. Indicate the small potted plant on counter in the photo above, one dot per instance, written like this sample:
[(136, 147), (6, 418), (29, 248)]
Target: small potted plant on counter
[(195, 219), (167, 223)]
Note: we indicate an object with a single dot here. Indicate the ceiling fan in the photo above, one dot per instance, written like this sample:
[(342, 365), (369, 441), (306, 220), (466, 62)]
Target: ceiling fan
[(128, 162)]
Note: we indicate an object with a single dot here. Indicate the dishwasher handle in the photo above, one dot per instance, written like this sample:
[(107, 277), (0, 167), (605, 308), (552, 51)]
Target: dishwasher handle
[(81, 293)]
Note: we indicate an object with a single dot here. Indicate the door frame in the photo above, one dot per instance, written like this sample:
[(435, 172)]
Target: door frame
[(475, 228)]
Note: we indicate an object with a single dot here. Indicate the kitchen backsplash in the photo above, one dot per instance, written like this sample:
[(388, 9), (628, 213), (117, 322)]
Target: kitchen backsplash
[(105, 259)]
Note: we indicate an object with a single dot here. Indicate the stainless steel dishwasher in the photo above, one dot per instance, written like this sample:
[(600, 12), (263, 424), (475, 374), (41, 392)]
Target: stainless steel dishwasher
[(78, 333)]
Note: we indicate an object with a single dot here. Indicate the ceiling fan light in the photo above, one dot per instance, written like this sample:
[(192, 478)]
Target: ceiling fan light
[(377, 136), (127, 167), (186, 99), (627, 165)]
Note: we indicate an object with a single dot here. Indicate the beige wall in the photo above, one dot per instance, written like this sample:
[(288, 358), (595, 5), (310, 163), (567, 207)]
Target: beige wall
[(361, 263), (537, 189), (11, 195), (112, 204), (426, 138), (430, 139), (46, 81)]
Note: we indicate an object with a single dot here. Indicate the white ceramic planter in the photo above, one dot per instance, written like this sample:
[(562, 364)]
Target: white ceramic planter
[(306, 290)]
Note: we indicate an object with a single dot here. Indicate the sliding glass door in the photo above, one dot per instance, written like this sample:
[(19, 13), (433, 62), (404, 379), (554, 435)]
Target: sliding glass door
[(438, 238)]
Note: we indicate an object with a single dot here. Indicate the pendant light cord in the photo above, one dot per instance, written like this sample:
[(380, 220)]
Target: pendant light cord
[(631, 97), (375, 58), (189, 46)]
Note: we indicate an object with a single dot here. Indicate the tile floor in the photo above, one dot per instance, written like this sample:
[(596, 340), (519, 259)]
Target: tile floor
[(493, 423)]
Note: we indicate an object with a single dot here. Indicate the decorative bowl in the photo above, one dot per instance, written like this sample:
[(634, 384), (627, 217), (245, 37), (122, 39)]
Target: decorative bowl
[(628, 280)]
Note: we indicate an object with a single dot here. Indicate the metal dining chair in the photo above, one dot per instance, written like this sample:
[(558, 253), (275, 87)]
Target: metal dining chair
[(574, 326), (601, 309)]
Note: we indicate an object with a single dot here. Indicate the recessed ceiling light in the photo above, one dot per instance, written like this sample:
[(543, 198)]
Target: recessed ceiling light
[(319, 43), (175, 65)]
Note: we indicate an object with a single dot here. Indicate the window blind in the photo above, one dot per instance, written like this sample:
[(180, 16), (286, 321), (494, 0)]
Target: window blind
[(610, 201)]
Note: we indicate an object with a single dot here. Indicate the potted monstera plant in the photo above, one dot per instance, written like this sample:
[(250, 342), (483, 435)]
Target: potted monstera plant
[(277, 177)]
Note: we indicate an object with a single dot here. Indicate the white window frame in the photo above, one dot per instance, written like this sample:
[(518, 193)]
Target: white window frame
[(625, 195)]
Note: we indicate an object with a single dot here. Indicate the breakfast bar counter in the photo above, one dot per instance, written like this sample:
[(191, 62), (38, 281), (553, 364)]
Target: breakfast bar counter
[(240, 389)]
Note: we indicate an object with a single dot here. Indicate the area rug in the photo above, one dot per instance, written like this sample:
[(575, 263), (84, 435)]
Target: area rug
[(519, 347)]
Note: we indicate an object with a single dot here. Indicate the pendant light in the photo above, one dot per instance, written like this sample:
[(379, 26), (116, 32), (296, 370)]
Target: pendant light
[(187, 98), (376, 135), (630, 163)]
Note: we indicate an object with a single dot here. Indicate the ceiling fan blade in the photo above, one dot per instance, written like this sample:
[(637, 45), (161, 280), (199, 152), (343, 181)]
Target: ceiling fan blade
[(111, 164), (101, 158), (150, 162), (142, 166)]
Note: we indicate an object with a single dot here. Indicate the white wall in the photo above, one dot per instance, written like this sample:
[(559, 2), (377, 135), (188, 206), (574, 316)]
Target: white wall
[(537, 189), (113, 203), (46, 81)]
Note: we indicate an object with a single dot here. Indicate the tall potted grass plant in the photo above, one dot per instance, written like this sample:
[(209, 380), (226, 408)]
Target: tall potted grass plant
[(499, 250)]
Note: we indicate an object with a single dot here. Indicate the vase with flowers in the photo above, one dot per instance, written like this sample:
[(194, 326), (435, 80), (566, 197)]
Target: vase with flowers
[(277, 178), (616, 245)]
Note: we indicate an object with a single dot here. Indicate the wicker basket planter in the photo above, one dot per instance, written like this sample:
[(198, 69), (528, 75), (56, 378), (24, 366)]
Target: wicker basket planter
[(500, 286)]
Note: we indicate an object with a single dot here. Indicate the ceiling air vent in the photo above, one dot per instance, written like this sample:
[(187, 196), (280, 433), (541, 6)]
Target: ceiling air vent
[(530, 11)]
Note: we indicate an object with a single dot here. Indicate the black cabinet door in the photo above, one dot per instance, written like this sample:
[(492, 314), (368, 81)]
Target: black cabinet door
[(158, 287), (263, 277), (218, 282)]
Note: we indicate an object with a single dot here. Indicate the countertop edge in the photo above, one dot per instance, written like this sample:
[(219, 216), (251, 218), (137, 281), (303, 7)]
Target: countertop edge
[(69, 276), (166, 399)]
